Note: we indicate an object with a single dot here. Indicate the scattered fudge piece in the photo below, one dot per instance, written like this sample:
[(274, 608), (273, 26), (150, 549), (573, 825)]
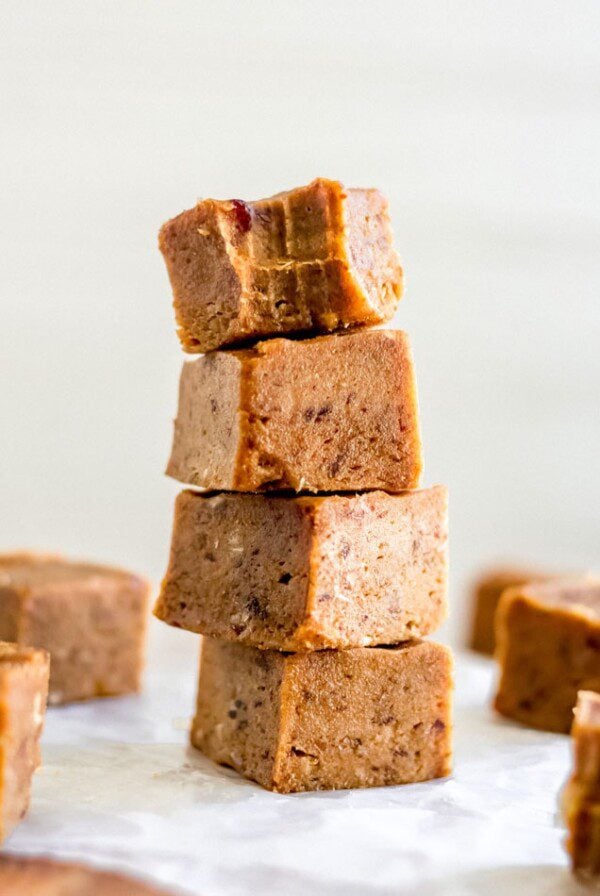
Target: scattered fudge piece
[(486, 596), (23, 695), (91, 619), (318, 258), (303, 573), (548, 647), (39, 876), (581, 796), (330, 719), (334, 413)]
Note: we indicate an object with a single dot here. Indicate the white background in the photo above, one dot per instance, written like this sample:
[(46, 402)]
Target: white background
[(480, 122)]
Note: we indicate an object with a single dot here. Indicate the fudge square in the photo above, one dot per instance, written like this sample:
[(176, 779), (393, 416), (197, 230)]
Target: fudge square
[(23, 695), (315, 259), (303, 573), (548, 647), (36, 876), (334, 413), (581, 796), (486, 597), (330, 719), (90, 618)]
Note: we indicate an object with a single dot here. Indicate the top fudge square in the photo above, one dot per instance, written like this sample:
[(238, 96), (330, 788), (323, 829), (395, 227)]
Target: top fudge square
[(333, 413), (91, 619), (316, 259)]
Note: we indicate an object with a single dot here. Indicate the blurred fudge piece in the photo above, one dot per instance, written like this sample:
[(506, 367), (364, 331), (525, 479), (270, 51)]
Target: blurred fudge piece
[(91, 619), (548, 647), (486, 596), (315, 259), (581, 796), (330, 719), (303, 573), (334, 413), (39, 876), (23, 695)]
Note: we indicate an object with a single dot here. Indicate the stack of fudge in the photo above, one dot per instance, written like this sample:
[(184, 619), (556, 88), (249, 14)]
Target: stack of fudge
[(308, 559)]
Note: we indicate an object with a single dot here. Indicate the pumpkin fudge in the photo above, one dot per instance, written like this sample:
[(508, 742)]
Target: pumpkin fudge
[(23, 695), (39, 876), (303, 573), (318, 258), (334, 413), (90, 618), (486, 597), (581, 796), (330, 719), (548, 647)]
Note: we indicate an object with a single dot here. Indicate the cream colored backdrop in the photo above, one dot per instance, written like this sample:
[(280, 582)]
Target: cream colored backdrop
[(478, 119)]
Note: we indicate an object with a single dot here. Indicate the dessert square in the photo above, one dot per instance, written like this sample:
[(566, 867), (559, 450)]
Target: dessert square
[(314, 259), (305, 573), (40, 876), (548, 647), (335, 413), (90, 618), (23, 695), (330, 719), (581, 796)]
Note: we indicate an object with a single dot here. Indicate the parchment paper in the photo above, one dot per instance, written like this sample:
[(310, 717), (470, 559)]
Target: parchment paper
[(120, 788)]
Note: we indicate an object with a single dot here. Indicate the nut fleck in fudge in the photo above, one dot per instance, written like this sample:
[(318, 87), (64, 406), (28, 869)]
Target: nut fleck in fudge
[(329, 719), (91, 619), (317, 259), (334, 413), (486, 596), (23, 695), (581, 796), (548, 647), (39, 876), (303, 573)]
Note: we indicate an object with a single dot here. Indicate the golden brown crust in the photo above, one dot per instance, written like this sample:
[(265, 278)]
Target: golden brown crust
[(327, 719), (334, 413), (548, 648), (315, 259), (304, 573)]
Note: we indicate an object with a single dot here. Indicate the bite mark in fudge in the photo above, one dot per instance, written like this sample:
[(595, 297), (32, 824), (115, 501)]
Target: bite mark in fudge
[(581, 796), (91, 619), (23, 695), (334, 413), (548, 647), (329, 719), (40, 876), (318, 258), (304, 573), (486, 597)]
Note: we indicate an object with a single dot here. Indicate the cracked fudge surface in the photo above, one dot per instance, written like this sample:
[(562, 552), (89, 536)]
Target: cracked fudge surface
[(581, 796), (39, 876), (328, 719), (318, 258), (486, 597), (303, 573), (548, 647), (90, 618), (334, 413), (23, 695)]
